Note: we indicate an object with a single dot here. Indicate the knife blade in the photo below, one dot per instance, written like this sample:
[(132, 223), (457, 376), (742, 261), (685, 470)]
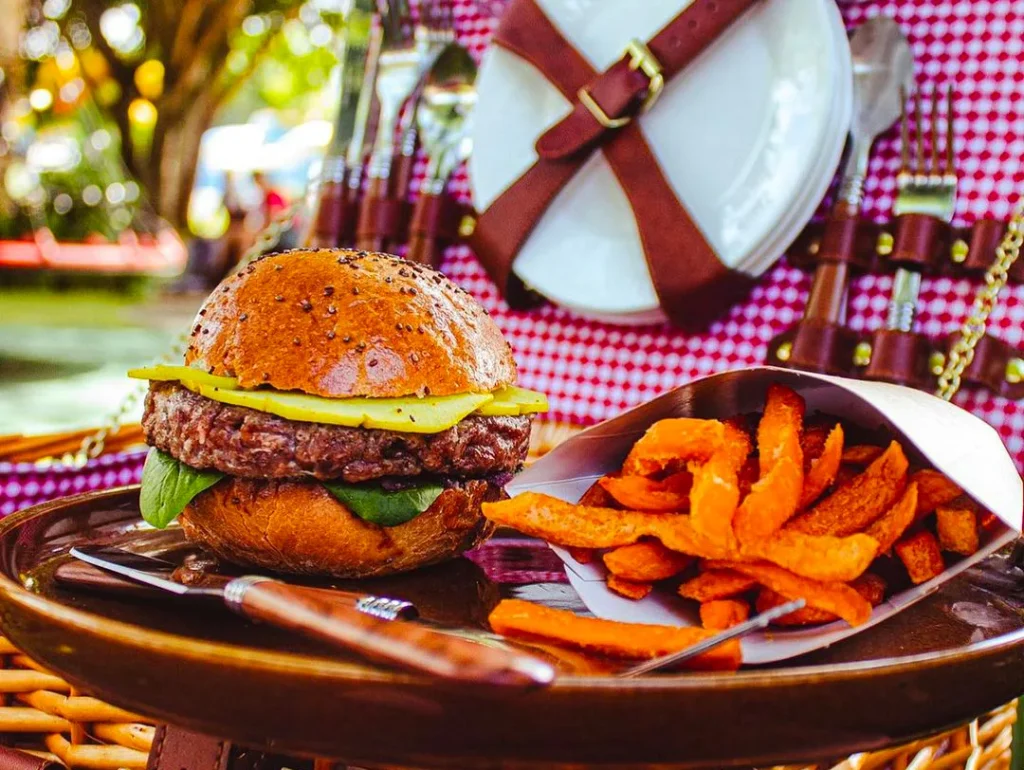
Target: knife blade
[(411, 646), (158, 573), (354, 64)]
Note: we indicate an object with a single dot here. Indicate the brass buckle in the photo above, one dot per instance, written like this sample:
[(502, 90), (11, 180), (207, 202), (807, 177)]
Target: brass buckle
[(640, 58)]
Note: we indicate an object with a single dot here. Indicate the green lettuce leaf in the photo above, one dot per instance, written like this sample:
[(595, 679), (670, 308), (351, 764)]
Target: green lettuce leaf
[(378, 506), (168, 486)]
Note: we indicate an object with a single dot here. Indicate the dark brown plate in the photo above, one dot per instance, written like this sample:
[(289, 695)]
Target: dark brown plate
[(947, 659)]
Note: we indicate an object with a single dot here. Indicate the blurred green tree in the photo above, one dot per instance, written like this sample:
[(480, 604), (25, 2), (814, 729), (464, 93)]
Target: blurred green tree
[(160, 71)]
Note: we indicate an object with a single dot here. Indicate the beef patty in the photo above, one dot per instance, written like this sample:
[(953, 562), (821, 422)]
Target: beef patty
[(243, 442)]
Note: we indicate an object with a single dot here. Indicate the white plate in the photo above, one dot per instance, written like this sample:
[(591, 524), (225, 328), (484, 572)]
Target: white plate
[(749, 137)]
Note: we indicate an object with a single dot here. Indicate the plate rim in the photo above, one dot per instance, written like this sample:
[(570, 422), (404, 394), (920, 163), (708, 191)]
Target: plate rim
[(278, 661)]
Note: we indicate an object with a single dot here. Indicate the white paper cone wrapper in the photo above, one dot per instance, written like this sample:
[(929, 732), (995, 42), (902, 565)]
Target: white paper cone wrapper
[(932, 431)]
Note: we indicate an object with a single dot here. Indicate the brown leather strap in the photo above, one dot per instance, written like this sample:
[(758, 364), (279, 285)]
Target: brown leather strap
[(178, 749), (14, 759), (620, 91), (691, 282), (916, 238)]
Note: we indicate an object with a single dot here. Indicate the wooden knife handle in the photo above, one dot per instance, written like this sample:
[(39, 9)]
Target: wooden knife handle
[(407, 645)]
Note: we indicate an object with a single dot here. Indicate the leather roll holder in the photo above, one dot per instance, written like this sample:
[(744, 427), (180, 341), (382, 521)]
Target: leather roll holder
[(921, 243), (428, 225), (380, 217), (932, 246)]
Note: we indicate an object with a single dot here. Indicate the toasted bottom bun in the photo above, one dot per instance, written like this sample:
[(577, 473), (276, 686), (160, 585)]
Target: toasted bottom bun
[(298, 527)]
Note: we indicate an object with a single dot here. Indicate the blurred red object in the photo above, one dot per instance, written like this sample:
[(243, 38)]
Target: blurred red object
[(164, 253)]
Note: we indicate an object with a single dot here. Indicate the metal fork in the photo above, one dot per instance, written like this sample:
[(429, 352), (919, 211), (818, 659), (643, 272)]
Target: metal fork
[(926, 184)]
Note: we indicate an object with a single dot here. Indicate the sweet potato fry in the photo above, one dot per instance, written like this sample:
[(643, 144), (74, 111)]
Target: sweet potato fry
[(837, 598), (770, 503), (715, 493), (630, 589), (670, 444), (957, 529), (583, 555), (774, 498), (676, 532), (868, 585), (716, 584), (581, 526), (893, 523), (723, 613), (714, 498), (562, 523), (768, 599), (823, 469), (921, 555), (747, 476), (597, 496), (862, 454), (778, 433), (812, 443), (520, 619), (646, 561), (871, 587), (858, 503), (817, 557), (933, 490), (639, 493)]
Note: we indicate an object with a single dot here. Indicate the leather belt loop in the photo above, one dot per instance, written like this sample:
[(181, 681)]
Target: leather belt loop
[(986, 235), (917, 238), (692, 283), (899, 357)]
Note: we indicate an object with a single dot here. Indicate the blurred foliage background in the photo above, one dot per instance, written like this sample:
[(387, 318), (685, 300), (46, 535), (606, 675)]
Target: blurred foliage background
[(106, 108)]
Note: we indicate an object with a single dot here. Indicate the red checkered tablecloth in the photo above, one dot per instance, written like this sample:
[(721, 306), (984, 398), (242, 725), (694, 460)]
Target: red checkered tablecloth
[(594, 370)]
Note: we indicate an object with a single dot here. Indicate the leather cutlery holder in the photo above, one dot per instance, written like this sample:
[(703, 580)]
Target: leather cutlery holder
[(934, 246), (819, 342)]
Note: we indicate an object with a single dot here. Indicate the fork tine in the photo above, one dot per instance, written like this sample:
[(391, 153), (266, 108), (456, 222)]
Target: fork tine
[(950, 132), (920, 128), (936, 168), (904, 133)]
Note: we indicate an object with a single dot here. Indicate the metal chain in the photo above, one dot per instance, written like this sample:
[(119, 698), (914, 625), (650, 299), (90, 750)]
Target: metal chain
[(92, 446), (973, 330)]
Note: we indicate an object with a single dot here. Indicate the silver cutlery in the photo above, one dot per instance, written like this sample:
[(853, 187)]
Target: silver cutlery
[(369, 627), (358, 61), (927, 184), (883, 68), (434, 31), (398, 72), (443, 117), (755, 623)]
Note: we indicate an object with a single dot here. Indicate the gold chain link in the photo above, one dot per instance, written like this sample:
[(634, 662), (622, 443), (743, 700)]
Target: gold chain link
[(962, 352), (92, 446)]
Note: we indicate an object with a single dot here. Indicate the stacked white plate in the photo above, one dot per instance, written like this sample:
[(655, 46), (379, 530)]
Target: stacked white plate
[(749, 136)]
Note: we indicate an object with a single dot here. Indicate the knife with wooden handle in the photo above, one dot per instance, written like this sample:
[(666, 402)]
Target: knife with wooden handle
[(317, 614)]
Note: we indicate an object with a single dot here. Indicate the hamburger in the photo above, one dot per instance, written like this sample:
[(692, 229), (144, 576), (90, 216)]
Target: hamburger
[(337, 413)]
